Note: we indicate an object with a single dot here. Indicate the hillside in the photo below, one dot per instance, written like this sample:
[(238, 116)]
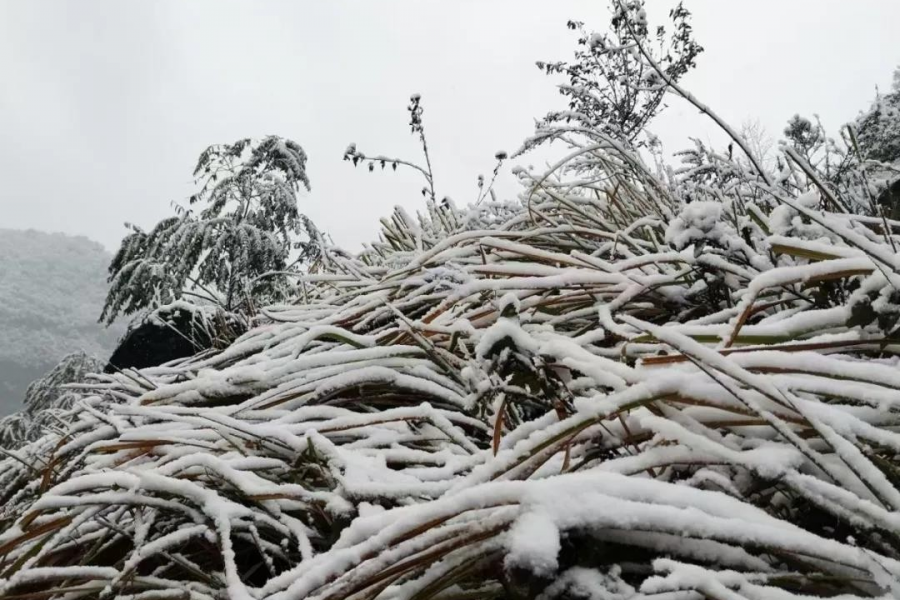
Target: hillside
[(51, 291)]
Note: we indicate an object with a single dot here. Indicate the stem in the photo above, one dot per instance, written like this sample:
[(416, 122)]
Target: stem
[(742, 144), (430, 175)]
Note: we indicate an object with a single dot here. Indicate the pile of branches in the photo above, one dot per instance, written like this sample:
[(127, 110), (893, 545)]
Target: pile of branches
[(632, 383)]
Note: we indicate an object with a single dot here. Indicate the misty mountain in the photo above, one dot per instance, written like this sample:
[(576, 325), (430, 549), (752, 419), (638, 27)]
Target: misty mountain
[(52, 288)]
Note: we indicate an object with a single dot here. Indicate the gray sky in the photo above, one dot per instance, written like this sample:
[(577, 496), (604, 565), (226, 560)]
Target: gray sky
[(105, 105)]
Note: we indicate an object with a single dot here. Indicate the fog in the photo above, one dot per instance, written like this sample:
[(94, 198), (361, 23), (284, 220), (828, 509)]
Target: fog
[(105, 105)]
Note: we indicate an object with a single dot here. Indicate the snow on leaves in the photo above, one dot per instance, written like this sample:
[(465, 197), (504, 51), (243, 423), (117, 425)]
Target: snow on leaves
[(234, 251)]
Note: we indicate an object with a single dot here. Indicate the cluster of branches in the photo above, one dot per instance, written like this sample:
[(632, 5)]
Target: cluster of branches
[(542, 398)]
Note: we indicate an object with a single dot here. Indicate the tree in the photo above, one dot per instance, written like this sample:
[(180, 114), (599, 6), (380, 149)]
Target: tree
[(46, 399), (758, 139), (803, 135), (878, 129), (232, 245), (612, 87), (860, 165)]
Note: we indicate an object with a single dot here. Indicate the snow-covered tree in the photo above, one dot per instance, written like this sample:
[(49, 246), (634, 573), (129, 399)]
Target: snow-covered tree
[(611, 85), (878, 128), (47, 399), (232, 245), (805, 136), (759, 140)]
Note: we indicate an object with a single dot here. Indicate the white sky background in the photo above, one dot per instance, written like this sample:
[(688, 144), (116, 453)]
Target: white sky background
[(105, 105)]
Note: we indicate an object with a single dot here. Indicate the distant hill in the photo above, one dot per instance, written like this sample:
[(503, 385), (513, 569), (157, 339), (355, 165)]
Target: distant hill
[(52, 288)]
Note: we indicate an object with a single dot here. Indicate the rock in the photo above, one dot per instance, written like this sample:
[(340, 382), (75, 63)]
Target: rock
[(171, 332)]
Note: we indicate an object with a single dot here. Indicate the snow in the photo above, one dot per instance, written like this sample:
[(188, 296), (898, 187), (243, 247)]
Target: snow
[(680, 391), (533, 544), (698, 221)]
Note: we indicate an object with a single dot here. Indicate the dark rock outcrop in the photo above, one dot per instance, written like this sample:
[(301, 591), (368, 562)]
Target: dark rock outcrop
[(171, 332)]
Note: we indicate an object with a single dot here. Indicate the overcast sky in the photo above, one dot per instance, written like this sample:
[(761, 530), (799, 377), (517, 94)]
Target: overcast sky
[(105, 105)]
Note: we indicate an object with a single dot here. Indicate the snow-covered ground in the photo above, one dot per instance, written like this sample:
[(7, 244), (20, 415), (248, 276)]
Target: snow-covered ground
[(486, 403)]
